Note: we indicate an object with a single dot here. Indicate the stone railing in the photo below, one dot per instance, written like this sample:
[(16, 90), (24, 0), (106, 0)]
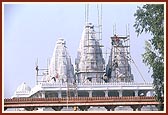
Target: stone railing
[(49, 85), (22, 92)]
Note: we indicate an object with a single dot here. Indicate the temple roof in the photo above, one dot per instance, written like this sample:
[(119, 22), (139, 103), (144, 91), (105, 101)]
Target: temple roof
[(23, 87)]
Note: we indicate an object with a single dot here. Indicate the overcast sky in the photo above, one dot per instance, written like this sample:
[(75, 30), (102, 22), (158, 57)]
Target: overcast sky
[(31, 31)]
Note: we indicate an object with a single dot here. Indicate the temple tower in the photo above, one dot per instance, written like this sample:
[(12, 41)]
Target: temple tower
[(89, 62)]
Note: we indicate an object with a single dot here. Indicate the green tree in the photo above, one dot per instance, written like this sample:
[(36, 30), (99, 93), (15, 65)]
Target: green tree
[(150, 19)]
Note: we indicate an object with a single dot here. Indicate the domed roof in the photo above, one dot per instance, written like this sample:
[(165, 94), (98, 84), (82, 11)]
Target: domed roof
[(23, 87)]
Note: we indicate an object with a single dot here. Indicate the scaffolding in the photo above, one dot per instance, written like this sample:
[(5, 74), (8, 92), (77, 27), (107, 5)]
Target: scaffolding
[(119, 61), (40, 72)]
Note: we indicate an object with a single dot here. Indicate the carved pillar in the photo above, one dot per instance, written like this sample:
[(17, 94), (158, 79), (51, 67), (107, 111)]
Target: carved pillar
[(90, 93), (120, 93), (151, 93), (136, 93), (42, 94), (59, 94), (106, 93)]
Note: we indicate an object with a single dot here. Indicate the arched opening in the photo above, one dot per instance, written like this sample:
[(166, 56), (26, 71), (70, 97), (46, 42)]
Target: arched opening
[(128, 93), (83, 94), (113, 94), (98, 94)]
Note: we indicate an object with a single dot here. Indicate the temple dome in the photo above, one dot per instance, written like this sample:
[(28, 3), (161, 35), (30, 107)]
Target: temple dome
[(23, 87)]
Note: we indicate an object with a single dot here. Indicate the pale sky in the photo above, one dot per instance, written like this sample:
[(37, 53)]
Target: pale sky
[(31, 31)]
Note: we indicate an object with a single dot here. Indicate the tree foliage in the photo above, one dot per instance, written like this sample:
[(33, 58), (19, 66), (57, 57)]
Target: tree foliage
[(150, 19)]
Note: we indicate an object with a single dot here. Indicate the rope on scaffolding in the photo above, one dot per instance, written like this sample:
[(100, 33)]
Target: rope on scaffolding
[(138, 70)]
